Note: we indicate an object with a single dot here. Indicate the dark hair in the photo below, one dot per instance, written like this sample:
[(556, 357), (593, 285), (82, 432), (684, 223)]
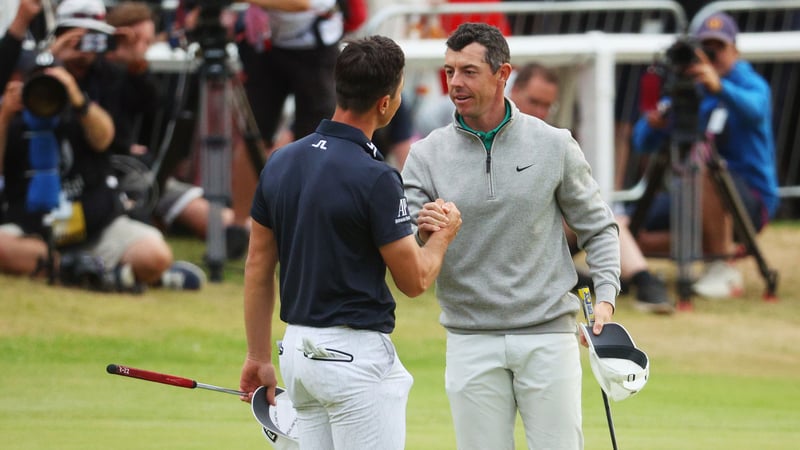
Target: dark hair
[(128, 13), (366, 70), (534, 70), (497, 52)]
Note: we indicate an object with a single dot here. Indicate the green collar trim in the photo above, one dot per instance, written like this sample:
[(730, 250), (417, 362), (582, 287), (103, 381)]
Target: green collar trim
[(487, 137)]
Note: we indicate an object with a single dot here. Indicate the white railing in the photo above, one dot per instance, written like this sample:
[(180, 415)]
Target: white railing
[(596, 55)]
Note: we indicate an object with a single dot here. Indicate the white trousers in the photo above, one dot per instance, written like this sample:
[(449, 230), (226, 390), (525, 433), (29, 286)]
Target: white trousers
[(489, 377), (348, 386)]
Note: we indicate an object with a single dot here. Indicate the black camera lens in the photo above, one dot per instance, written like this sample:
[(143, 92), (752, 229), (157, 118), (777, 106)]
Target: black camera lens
[(44, 96), (681, 54)]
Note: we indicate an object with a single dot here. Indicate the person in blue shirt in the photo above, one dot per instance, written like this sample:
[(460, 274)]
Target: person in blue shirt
[(735, 114), (333, 214)]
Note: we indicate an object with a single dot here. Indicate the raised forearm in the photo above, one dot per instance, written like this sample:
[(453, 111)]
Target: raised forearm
[(432, 257), (98, 127), (415, 268), (10, 104)]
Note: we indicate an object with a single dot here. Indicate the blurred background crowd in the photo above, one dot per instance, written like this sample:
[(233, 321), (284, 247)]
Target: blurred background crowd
[(134, 80)]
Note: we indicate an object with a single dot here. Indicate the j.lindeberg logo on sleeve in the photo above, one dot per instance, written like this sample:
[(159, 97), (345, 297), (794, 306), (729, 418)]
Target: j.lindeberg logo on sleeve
[(373, 149), (402, 212), (322, 144)]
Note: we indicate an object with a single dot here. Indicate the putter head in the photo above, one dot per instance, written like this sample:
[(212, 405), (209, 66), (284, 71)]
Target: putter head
[(279, 423)]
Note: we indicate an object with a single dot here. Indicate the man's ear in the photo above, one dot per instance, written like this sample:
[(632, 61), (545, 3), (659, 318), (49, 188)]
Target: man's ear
[(505, 72), (383, 104)]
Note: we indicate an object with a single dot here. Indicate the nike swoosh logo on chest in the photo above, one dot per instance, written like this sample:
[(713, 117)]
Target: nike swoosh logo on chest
[(520, 169)]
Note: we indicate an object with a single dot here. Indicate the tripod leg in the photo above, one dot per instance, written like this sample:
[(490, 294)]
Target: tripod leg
[(743, 227), (216, 166), (654, 177), (248, 128), (685, 232), (50, 263)]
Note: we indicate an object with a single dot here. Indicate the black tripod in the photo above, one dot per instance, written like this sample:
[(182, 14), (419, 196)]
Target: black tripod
[(221, 97), (685, 193)]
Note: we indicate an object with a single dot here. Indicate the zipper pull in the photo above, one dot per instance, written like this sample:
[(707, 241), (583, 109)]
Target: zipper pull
[(488, 162)]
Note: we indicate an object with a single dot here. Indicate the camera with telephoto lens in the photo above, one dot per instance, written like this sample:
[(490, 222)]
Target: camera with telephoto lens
[(44, 95), (681, 87), (683, 53)]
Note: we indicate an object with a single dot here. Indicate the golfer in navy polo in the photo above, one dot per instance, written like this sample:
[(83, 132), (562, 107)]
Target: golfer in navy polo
[(334, 215)]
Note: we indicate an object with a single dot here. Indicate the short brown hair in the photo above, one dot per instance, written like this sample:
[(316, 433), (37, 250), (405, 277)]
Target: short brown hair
[(534, 70), (128, 13), (367, 69)]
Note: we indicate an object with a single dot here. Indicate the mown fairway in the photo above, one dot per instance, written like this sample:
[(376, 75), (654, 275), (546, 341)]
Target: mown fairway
[(724, 376)]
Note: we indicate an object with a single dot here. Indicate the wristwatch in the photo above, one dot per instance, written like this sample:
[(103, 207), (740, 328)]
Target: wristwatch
[(84, 108)]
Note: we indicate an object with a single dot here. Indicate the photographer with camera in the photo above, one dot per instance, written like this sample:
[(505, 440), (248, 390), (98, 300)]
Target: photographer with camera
[(178, 203), (734, 115), (77, 227)]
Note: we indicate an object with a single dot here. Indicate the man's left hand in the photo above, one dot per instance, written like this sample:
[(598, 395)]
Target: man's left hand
[(602, 315)]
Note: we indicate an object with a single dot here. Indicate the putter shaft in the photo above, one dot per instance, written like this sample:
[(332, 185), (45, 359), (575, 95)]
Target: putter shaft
[(211, 387)]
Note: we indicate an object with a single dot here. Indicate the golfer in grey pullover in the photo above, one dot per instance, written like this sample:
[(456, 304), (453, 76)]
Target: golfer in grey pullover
[(504, 285), (510, 269)]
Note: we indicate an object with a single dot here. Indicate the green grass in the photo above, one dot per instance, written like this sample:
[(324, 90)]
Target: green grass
[(722, 376)]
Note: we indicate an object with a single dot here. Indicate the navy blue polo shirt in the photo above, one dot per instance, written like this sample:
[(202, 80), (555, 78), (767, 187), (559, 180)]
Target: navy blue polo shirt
[(331, 202)]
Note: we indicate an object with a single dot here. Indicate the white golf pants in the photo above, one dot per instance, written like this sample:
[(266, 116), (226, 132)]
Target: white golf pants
[(489, 377), (348, 386)]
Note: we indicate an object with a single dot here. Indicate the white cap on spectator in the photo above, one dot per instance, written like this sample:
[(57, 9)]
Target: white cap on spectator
[(88, 14)]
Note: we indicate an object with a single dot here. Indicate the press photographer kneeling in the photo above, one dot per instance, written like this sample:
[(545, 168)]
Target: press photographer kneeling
[(64, 215)]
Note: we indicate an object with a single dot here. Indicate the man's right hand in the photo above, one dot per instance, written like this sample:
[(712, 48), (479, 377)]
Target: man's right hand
[(436, 216), (256, 373), (66, 42), (656, 119), (453, 221)]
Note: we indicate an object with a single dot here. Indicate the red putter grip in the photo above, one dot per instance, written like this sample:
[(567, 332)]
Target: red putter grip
[(172, 380)]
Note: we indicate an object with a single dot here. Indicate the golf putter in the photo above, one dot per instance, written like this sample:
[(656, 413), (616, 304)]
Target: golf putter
[(163, 378), (588, 314)]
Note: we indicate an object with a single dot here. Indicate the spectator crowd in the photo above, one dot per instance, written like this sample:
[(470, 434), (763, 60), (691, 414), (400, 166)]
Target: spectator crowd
[(93, 229)]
